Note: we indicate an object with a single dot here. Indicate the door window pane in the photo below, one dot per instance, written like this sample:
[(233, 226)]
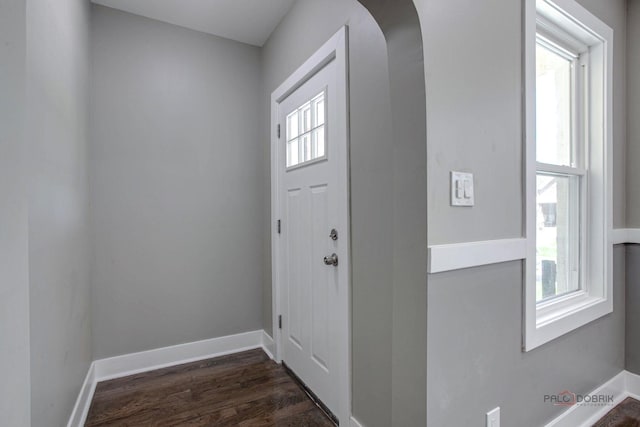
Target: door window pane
[(319, 109), (292, 126), (320, 141), (553, 107), (306, 117), (557, 235), (292, 151), (305, 136), (306, 144)]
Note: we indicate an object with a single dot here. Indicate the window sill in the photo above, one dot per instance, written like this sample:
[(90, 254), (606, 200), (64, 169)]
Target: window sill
[(562, 317), (548, 313)]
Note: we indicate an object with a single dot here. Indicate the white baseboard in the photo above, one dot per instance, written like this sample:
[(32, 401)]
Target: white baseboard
[(268, 344), (144, 361), (83, 402), (623, 385), (134, 363), (354, 423), (633, 385)]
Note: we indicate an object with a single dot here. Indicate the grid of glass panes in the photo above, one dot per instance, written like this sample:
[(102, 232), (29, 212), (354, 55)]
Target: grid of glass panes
[(306, 132), (560, 171)]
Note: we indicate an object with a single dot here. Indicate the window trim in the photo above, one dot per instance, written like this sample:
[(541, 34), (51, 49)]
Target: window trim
[(565, 22)]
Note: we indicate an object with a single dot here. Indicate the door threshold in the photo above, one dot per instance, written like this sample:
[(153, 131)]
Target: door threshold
[(312, 395)]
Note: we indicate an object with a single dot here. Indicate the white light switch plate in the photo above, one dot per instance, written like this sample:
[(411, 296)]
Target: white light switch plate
[(493, 418), (462, 189)]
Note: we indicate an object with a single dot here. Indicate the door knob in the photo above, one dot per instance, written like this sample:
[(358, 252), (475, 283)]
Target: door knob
[(331, 260)]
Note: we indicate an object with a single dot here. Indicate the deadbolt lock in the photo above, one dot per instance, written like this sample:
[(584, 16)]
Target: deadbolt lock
[(334, 234)]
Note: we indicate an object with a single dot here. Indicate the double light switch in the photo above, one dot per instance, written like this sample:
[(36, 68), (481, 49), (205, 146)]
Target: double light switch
[(461, 189)]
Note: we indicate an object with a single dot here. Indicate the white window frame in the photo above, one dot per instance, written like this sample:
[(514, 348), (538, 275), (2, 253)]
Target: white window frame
[(551, 319), (309, 132)]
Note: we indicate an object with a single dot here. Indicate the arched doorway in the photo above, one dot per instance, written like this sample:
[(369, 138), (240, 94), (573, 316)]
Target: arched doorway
[(400, 24), (388, 195)]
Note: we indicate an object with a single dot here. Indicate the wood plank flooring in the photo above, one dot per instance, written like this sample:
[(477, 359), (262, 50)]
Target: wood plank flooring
[(244, 389), (626, 414)]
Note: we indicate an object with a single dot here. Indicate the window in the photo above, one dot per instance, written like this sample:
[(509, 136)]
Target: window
[(568, 68), (306, 133), (561, 185)]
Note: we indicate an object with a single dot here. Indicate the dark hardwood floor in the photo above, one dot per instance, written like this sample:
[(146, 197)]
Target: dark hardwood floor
[(244, 389), (626, 414)]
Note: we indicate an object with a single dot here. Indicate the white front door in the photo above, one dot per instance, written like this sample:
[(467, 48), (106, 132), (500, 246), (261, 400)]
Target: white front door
[(314, 236)]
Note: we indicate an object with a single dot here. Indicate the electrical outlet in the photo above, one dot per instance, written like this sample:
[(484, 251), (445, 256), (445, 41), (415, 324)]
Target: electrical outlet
[(493, 418)]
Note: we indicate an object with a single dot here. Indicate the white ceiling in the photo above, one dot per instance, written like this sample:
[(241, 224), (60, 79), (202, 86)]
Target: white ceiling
[(247, 21)]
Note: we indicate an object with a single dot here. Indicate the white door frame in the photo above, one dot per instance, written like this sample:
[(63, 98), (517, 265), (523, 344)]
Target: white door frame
[(335, 49)]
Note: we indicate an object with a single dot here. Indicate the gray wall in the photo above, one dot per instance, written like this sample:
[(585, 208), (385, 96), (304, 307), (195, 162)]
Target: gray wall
[(474, 114), (176, 183), (633, 104), (474, 78), (45, 284), (400, 23), (614, 14), (632, 360), (384, 286), (57, 74), (14, 268), (633, 189), (473, 75), (475, 362)]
